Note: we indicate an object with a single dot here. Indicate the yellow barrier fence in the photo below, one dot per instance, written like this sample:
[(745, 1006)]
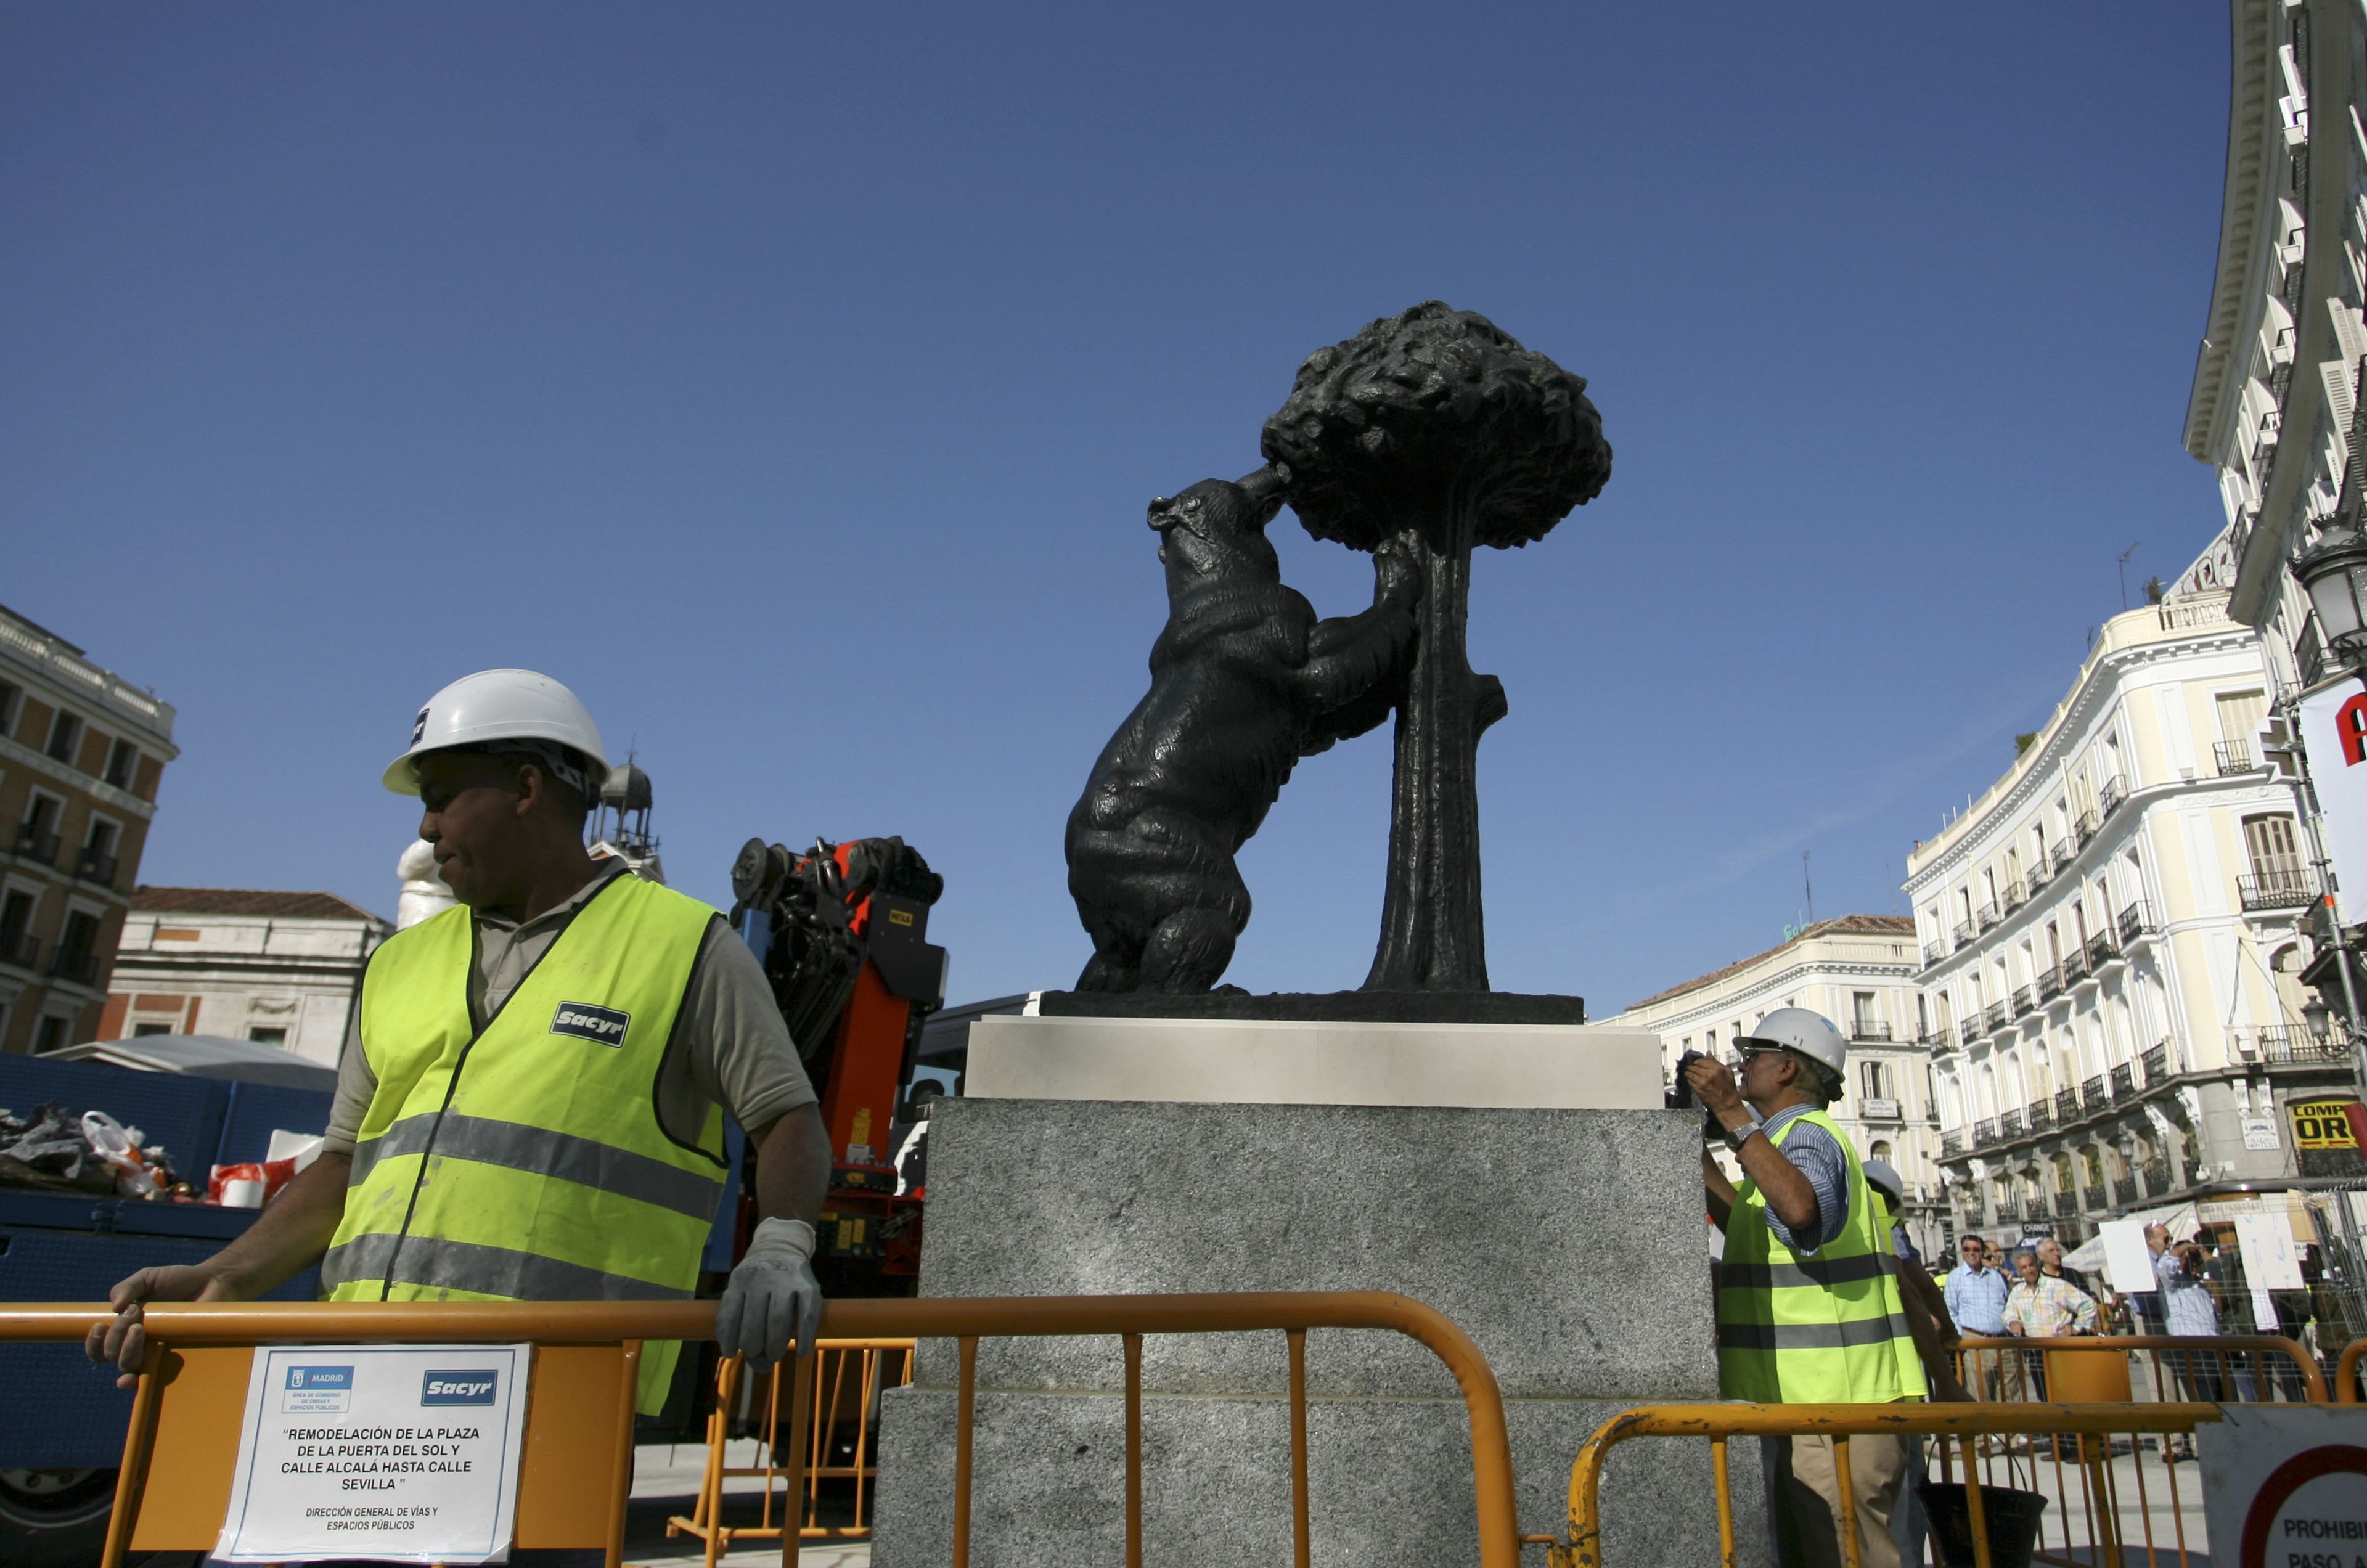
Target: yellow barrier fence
[(182, 1443), (2219, 1368), (2093, 1430), (842, 1410)]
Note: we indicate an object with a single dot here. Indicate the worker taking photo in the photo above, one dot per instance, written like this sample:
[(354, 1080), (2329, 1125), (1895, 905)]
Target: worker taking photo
[(1808, 1304), (532, 1106)]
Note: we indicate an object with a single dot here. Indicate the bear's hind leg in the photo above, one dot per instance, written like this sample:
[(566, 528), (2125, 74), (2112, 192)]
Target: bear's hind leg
[(1109, 970), (1189, 951)]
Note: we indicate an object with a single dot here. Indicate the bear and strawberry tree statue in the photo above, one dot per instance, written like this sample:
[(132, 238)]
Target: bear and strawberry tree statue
[(1424, 435)]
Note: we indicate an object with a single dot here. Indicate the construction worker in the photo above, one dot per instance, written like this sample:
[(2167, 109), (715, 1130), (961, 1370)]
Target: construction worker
[(532, 1105), (1808, 1306)]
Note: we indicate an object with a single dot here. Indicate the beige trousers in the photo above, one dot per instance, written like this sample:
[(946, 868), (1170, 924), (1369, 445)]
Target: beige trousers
[(1877, 1477)]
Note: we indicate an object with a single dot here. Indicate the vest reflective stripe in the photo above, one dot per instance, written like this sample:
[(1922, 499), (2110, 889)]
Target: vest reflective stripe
[(493, 1273), (521, 1157), (1827, 1329), (1810, 1335), (561, 1154), (1820, 1271)]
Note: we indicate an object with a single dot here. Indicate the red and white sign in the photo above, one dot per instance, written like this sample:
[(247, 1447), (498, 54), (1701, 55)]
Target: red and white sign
[(2334, 732), (2285, 1485)]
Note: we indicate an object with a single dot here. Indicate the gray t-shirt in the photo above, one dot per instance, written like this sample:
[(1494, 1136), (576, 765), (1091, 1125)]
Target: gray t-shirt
[(740, 1054)]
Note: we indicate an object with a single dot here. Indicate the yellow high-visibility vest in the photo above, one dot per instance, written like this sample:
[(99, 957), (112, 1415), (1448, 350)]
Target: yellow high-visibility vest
[(1830, 1329), (520, 1157)]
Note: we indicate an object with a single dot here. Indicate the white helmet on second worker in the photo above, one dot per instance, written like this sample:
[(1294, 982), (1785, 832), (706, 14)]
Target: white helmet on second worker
[(494, 706), (1804, 1033)]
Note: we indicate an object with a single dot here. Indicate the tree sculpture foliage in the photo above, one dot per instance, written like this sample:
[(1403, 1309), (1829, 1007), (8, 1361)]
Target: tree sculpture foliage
[(1436, 429)]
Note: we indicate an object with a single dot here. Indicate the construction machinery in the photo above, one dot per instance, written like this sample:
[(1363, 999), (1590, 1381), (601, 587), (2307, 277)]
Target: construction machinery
[(843, 933)]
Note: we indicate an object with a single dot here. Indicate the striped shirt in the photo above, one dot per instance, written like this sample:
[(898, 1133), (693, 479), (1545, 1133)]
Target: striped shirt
[(1816, 1156)]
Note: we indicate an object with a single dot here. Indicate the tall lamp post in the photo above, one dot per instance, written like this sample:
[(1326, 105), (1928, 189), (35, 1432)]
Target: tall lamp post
[(2333, 573)]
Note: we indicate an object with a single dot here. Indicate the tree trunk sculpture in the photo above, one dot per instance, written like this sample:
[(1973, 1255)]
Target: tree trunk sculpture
[(1436, 429)]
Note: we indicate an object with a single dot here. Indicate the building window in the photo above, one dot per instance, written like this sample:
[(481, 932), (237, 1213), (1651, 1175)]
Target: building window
[(1874, 1080), (1881, 1150), (50, 1035), (122, 762), (16, 944), (268, 1036), (11, 698), (38, 836), (1862, 1019), (141, 1031), (65, 729), (2269, 843)]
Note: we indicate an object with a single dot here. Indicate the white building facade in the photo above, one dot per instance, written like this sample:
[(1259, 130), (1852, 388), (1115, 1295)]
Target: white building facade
[(1859, 970), (2111, 937), (281, 968)]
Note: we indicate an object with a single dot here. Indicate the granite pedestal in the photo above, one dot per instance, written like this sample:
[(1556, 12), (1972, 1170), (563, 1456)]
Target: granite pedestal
[(1567, 1242)]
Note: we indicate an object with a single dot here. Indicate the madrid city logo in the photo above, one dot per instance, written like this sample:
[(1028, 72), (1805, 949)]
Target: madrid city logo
[(602, 1026)]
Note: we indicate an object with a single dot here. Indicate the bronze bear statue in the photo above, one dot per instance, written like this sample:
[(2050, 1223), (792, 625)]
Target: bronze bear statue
[(1244, 681)]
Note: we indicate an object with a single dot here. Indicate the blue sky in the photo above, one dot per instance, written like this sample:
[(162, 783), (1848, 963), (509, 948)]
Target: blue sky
[(791, 383)]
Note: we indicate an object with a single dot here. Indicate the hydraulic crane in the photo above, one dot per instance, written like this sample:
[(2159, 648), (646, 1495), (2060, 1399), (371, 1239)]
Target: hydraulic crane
[(843, 933)]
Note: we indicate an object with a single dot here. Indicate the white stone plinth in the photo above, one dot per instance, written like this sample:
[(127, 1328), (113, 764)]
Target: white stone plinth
[(1246, 1062)]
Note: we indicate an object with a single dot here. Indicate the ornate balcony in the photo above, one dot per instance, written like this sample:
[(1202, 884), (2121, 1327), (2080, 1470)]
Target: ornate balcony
[(2067, 1106), (1963, 935), (2008, 1125), (2033, 1208), (1985, 1132), (2092, 1095), (1870, 1028), (2135, 921), (2156, 1062), (1990, 915), (95, 865), (2050, 984), (2041, 1115), (21, 949), (2017, 894), (2108, 799), (2075, 967), (2157, 1177), (2278, 887), (2024, 1003), (2067, 1204), (2124, 1188), (1933, 952), (2233, 757), (2063, 855), (1952, 1144), (2100, 950), (35, 844), (2283, 1045), (1943, 1038), (2087, 825), (2097, 1200), (1994, 1017), (2125, 1082)]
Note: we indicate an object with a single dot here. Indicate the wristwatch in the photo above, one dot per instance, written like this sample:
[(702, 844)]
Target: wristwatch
[(1737, 1136)]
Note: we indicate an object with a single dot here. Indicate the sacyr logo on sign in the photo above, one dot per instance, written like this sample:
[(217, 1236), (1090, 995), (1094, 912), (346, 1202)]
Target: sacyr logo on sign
[(602, 1026), (321, 1377), (471, 1386)]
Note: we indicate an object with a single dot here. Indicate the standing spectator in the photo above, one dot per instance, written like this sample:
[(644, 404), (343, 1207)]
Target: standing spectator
[(1976, 1294), (2044, 1305), (2186, 1310), (2050, 1263)]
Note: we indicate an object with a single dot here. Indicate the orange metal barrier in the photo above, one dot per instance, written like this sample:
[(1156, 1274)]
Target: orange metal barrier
[(2230, 1369), (849, 1374), (2346, 1373), (580, 1422), (2092, 1425)]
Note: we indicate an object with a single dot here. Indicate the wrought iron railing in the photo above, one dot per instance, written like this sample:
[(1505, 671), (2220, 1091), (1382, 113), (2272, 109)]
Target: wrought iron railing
[(2278, 887), (1985, 1132), (2136, 921), (2156, 1061), (33, 843), (2087, 825), (2157, 1177), (21, 949), (1871, 1029), (80, 968), (1990, 915), (2124, 1081), (1994, 1017), (1952, 1143), (2067, 1204), (95, 865), (2282, 1044), (2017, 894), (2041, 1114), (2108, 799), (2091, 1093), (2097, 1200), (2050, 983), (2232, 756), (1933, 952), (2067, 1106), (2064, 854), (2100, 950), (2024, 1003), (2124, 1188), (1964, 934)]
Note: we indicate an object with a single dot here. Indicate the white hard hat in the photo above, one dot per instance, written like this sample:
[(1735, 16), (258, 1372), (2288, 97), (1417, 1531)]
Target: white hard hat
[(1810, 1034), (493, 705)]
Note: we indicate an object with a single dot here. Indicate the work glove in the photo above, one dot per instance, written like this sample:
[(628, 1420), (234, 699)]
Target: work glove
[(772, 1306)]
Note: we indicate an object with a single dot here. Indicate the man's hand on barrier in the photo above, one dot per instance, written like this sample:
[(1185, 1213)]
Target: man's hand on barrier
[(773, 1303), (123, 1338)]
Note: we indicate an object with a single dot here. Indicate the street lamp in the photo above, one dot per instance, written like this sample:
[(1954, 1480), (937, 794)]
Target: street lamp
[(2321, 1018), (2333, 573)]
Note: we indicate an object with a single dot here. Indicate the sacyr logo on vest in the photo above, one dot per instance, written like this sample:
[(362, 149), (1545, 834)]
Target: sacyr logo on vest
[(602, 1026), (471, 1386)]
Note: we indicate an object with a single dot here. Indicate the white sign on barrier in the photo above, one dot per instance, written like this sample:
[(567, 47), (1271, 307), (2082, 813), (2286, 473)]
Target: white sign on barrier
[(2285, 1485), (398, 1453), (2128, 1261)]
